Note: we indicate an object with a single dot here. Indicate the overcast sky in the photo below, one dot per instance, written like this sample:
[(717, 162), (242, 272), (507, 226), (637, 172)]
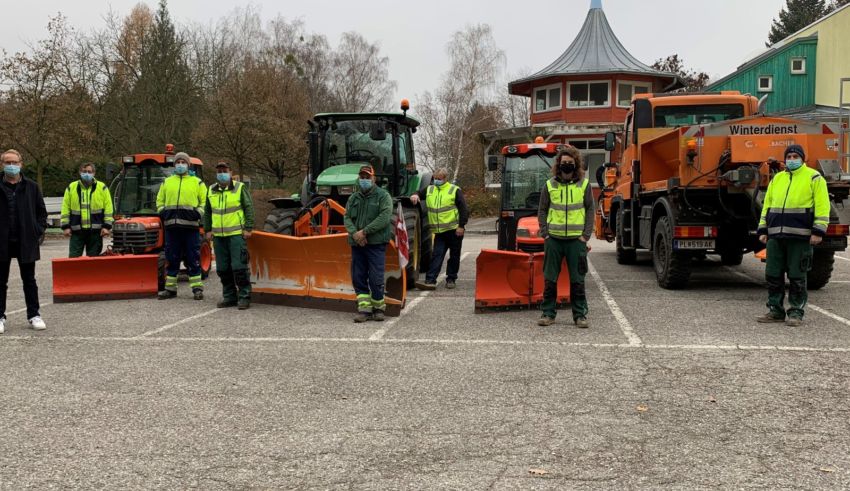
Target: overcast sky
[(714, 37)]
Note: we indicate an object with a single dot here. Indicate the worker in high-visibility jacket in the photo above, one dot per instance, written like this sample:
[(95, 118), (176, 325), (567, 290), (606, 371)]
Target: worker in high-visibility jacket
[(86, 213), (229, 222), (794, 217), (180, 203), (447, 216), (565, 216)]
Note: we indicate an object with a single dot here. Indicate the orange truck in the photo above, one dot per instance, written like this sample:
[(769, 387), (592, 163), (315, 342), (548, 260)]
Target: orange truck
[(689, 175)]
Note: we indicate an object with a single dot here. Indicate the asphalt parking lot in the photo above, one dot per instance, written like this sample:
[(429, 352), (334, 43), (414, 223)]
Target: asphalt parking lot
[(666, 389)]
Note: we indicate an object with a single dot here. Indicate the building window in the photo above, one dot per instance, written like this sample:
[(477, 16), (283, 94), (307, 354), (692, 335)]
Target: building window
[(766, 83), (627, 90), (547, 98), (589, 94), (593, 154), (798, 66)]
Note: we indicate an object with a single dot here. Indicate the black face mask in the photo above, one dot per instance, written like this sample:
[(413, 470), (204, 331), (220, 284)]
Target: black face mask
[(567, 168)]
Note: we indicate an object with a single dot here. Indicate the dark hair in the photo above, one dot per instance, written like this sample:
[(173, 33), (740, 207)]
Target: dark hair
[(574, 153)]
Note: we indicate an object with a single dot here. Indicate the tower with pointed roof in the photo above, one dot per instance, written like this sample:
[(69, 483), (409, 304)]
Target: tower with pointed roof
[(585, 92)]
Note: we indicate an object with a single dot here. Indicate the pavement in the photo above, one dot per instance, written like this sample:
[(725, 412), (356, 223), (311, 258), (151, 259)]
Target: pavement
[(667, 389)]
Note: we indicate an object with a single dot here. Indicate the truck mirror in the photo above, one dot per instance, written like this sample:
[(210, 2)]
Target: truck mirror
[(378, 131), (493, 162), (610, 141)]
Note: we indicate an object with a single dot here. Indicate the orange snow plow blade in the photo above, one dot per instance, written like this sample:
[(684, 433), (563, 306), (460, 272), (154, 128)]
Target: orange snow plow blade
[(314, 272), (506, 279), (105, 277)]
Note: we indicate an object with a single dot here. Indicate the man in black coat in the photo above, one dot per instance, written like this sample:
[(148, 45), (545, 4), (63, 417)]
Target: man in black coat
[(23, 220)]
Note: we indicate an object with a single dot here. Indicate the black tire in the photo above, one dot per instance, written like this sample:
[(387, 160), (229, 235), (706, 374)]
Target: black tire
[(731, 258), (280, 221), (823, 262), (160, 269), (672, 268), (416, 244), (624, 256)]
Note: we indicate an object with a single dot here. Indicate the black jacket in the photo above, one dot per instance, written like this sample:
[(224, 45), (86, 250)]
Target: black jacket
[(33, 216)]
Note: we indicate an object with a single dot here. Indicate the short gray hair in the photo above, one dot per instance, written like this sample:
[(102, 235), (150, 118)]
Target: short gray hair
[(14, 152), (88, 164)]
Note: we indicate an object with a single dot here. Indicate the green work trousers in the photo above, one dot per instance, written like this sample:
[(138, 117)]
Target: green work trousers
[(794, 258), (89, 241), (231, 264), (575, 253)]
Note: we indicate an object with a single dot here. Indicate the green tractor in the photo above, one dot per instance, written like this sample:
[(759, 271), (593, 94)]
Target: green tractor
[(340, 143)]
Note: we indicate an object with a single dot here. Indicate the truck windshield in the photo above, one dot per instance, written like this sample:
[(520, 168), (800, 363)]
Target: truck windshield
[(672, 116), (136, 188), (349, 142), (523, 179)]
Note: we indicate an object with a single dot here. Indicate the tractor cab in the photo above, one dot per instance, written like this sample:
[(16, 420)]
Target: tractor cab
[(525, 169)]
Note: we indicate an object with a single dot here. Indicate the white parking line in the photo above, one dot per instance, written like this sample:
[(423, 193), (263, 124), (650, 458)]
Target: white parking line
[(379, 334), (625, 325), (18, 311), (841, 257), (178, 323)]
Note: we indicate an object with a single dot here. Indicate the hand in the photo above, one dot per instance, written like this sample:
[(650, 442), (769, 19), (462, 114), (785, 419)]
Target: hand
[(104, 232), (414, 199), (459, 231), (359, 238), (583, 239), (815, 240), (246, 234), (66, 232), (763, 239), (209, 235)]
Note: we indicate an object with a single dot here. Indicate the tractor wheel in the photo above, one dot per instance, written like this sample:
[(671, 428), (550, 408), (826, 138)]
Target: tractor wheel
[(161, 263), (280, 221), (822, 264), (416, 245), (672, 268), (624, 256)]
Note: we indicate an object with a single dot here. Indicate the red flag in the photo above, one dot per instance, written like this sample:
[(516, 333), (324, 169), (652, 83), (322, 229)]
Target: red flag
[(401, 238)]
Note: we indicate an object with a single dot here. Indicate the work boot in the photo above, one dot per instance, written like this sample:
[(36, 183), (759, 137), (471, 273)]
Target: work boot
[(428, 285), (362, 317), (793, 321), (378, 315), (545, 320), (198, 294), (244, 304), (166, 294), (225, 304), (450, 284), (581, 322), (770, 317)]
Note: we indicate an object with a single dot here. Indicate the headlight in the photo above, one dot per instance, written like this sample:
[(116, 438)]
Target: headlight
[(129, 159), (128, 227), (523, 232), (343, 190), (326, 190)]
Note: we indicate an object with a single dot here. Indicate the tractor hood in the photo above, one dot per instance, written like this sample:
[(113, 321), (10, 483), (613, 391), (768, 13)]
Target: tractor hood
[(339, 175)]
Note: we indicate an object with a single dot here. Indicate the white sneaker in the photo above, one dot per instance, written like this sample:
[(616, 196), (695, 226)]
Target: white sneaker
[(37, 324), (2, 325)]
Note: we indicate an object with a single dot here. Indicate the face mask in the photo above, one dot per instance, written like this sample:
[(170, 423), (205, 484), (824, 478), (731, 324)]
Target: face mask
[(365, 184), (181, 168), (223, 177), (439, 182), (11, 170), (86, 177), (793, 164), (567, 168)]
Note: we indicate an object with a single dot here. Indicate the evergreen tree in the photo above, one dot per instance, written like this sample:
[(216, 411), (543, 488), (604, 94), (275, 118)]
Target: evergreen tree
[(796, 15)]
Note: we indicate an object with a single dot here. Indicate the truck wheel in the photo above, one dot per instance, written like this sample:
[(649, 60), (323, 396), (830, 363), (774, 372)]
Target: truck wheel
[(731, 258), (822, 264), (672, 268), (281, 221), (624, 256)]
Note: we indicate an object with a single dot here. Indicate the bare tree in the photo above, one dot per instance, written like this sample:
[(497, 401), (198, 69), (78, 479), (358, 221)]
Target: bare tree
[(359, 76)]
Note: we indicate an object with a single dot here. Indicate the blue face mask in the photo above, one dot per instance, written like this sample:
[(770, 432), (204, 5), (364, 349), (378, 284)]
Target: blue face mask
[(223, 177), (439, 182), (86, 177), (181, 168), (12, 170), (365, 184), (793, 164)]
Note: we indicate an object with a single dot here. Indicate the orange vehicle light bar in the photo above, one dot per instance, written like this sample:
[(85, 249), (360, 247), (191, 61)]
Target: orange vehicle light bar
[(694, 232), (838, 230)]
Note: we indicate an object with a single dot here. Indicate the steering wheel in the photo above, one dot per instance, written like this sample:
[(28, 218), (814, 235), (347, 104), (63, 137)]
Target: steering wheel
[(360, 154), (532, 200)]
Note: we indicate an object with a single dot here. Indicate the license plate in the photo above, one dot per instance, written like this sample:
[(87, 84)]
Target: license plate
[(693, 244)]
